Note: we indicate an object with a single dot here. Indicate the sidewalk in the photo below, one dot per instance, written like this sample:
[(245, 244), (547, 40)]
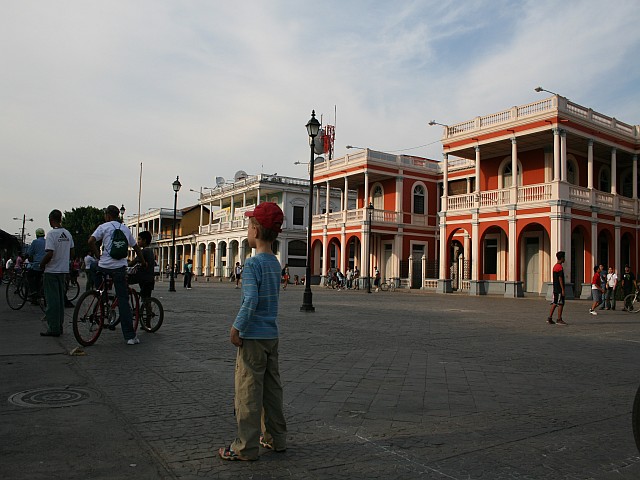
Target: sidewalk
[(382, 385)]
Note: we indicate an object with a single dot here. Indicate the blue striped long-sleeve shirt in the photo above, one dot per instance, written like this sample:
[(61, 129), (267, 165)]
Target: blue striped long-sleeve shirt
[(258, 315)]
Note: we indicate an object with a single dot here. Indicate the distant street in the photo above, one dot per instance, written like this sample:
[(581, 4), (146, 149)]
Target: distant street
[(387, 385)]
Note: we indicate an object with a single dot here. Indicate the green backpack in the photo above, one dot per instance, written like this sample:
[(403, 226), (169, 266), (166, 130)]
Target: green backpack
[(119, 244)]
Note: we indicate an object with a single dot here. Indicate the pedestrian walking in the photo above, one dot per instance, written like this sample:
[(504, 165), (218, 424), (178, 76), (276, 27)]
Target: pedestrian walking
[(238, 273), (558, 290), (596, 289), (188, 274), (258, 388), (628, 282), (612, 283), (55, 264)]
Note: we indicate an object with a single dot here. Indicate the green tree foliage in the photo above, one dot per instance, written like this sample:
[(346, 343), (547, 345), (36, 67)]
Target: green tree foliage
[(82, 222)]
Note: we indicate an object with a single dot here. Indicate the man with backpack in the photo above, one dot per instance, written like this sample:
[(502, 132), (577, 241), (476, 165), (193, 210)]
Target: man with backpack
[(116, 239)]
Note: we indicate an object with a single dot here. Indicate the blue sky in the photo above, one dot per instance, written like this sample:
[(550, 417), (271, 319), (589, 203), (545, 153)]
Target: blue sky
[(90, 89)]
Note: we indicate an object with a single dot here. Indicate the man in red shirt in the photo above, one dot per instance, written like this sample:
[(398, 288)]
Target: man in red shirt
[(596, 290), (558, 290)]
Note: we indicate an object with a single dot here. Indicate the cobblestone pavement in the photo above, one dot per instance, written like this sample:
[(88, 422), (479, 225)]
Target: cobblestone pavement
[(383, 385)]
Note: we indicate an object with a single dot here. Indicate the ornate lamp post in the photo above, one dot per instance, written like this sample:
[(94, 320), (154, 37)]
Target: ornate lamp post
[(370, 214), (313, 127), (176, 188), (122, 210)]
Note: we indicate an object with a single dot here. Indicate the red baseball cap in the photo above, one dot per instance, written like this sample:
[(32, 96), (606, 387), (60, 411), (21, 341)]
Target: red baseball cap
[(269, 215)]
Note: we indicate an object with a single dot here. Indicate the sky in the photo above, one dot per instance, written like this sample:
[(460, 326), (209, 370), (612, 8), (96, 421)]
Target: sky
[(90, 90)]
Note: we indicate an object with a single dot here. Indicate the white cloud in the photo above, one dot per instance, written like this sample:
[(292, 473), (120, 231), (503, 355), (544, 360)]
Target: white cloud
[(201, 89)]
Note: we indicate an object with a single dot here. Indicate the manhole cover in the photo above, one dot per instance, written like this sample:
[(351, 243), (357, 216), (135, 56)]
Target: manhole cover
[(52, 397)]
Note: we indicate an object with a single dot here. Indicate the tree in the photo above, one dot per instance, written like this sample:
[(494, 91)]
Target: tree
[(82, 222)]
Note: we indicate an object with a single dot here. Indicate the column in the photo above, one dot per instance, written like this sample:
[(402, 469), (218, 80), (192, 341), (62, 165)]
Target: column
[(317, 188), (444, 283), (445, 181), (326, 208), (563, 155), (634, 181), (207, 260), (218, 261), (344, 251), (346, 194), (327, 253), (514, 170), (556, 154), (198, 259), (258, 193), (201, 215), (616, 250), (590, 165), (366, 189), (614, 172), (399, 182), (477, 148)]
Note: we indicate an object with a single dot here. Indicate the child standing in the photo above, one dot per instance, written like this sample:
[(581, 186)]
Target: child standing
[(258, 389)]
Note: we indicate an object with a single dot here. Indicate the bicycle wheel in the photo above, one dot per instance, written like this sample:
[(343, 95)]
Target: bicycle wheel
[(88, 318), (17, 293), (134, 302), (384, 286), (73, 290), (635, 419), (631, 304), (151, 314)]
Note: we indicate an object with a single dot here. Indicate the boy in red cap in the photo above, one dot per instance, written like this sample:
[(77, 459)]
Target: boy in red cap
[(255, 332)]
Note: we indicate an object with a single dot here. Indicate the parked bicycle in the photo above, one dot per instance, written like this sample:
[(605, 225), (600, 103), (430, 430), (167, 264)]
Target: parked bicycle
[(98, 309), (19, 290), (388, 285), (632, 302)]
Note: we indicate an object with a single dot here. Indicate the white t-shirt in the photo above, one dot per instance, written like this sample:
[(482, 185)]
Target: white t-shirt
[(104, 233), (612, 278), (60, 242)]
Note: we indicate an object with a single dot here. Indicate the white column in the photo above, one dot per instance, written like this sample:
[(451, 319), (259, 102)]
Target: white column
[(511, 277), (619, 269), (317, 188), (207, 260), (232, 209), (556, 154), (634, 174), (366, 189), (477, 168), (327, 253), (590, 165), (201, 215), (399, 181), (514, 170), (346, 194), (198, 259), (614, 172), (344, 252), (445, 180), (218, 261), (327, 197), (443, 247), (475, 249), (258, 193), (563, 155)]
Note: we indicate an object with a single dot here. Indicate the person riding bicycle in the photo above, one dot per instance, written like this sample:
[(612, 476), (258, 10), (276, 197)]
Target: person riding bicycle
[(145, 276), (36, 254), (116, 267)]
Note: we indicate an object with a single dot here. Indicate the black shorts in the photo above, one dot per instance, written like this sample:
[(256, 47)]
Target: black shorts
[(558, 299)]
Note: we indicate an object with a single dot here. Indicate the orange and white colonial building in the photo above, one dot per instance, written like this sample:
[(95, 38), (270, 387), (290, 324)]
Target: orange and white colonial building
[(575, 189)]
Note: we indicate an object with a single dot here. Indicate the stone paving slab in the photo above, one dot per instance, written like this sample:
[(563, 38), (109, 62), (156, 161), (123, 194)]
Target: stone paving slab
[(406, 385)]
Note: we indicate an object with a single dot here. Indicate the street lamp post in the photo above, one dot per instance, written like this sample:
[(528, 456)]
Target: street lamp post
[(370, 214), (122, 210), (176, 188), (313, 127), (24, 220)]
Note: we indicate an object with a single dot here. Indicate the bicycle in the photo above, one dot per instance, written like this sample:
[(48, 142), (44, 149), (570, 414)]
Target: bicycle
[(97, 309), (19, 291), (72, 285), (389, 285), (632, 302), (93, 309)]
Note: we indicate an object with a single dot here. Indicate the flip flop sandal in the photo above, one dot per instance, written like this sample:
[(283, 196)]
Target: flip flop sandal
[(227, 454), (265, 444)]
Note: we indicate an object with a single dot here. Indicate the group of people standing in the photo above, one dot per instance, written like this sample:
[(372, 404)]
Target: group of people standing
[(604, 286)]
